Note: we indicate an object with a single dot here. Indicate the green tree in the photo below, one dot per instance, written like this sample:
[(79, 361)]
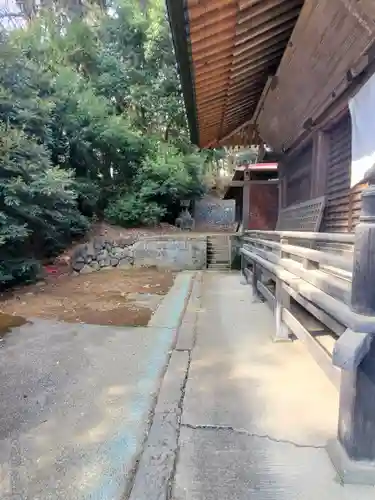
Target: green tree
[(92, 121)]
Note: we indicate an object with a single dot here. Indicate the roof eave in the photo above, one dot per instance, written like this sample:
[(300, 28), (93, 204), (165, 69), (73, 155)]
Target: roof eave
[(177, 13)]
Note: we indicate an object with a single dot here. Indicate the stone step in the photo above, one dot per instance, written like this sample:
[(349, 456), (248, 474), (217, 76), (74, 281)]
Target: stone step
[(218, 268), (218, 249), (218, 259), (218, 242)]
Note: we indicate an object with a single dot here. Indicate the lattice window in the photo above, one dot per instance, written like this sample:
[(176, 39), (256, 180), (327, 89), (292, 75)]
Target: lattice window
[(306, 216)]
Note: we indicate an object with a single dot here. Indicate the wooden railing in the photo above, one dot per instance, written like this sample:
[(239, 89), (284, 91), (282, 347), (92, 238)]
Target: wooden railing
[(321, 287), (306, 279)]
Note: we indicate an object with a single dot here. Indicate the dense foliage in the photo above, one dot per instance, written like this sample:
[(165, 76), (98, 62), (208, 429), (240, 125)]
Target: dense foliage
[(92, 124)]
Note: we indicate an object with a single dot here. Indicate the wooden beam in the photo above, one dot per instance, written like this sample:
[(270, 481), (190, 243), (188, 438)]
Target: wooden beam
[(205, 44), (257, 80), (246, 200), (319, 164), (264, 17), (260, 8), (205, 117), (213, 18), (267, 28), (241, 183), (210, 96), (218, 48), (206, 126), (215, 58), (214, 31), (241, 99), (218, 103), (234, 121), (265, 38), (363, 11), (199, 9), (214, 77), (247, 108), (215, 85), (233, 124), (234, 113), (242, 94), (234, 131), (238, 110), (262, 98), (244, 89), (262, 62), (279, 41), (214, 112), (211, 103), (368, 7), (243, 66), (209, 111), (213, 68)]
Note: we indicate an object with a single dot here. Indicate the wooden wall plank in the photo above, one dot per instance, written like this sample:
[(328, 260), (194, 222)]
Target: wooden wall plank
[(298, 176), (326, 43)]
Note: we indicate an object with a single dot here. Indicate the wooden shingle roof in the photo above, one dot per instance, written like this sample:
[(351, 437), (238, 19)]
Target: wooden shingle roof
[(228, 51)]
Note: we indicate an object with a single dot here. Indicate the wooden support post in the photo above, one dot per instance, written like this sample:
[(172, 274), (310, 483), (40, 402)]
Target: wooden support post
[(246, 200), (320, 164), (282, 186), (257, 273), (282, 302), (353, 453)]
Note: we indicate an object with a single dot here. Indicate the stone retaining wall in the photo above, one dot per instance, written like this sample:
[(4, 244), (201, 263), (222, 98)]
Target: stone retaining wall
[(176, 252)]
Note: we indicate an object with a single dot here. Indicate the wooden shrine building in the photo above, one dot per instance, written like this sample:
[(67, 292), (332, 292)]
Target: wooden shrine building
[(254, 188), (280, 72), (299, 77)]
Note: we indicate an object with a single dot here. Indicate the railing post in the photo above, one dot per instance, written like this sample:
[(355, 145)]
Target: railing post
[(246, 199), (282, 302), (353, 453)]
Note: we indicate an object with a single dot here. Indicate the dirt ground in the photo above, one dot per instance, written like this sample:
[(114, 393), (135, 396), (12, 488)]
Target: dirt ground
[(108, 297)]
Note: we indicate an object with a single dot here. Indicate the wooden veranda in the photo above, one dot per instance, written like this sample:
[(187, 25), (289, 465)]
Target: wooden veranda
[(282, 73)]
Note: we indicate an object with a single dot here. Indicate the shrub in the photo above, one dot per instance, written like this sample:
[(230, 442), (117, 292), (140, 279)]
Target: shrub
[(133, 210)]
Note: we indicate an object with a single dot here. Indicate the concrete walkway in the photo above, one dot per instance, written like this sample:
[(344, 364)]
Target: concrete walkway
[(76, 401), (236, 417), (240, 417)]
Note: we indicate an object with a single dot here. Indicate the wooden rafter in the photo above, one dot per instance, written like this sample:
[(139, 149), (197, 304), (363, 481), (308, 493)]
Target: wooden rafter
[(235, 45)]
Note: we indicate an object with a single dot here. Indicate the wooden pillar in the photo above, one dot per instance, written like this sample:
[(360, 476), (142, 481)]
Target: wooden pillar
[(282, 185), (246, 200), (282, 302), (353, 453), (319, 164)]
